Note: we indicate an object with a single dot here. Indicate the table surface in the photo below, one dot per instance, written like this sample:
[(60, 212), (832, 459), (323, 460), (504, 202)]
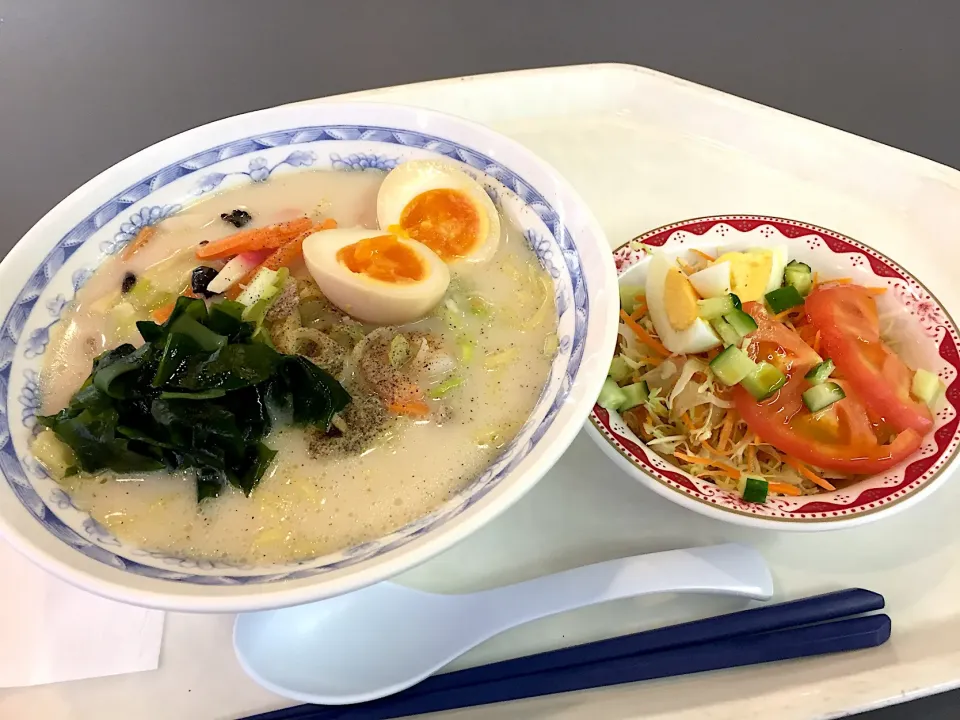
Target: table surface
[(85, 84)]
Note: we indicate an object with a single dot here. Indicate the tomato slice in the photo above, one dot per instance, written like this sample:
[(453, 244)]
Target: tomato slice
[(841, 438), (846, 316)]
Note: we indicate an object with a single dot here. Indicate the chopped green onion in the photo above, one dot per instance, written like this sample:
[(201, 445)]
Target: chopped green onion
[(500, 359), (446, 386), (399, 351)]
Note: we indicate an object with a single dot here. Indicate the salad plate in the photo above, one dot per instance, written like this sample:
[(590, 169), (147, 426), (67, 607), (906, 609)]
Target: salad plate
[(912, 321)]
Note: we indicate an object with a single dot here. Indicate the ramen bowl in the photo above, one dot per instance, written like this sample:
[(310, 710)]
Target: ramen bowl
[(51, 262)]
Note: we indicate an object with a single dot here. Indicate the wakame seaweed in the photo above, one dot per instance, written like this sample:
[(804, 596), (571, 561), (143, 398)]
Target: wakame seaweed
[(194, 396)]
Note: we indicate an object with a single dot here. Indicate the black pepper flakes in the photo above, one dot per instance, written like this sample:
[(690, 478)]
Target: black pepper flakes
[(129, 280), (238, 218)]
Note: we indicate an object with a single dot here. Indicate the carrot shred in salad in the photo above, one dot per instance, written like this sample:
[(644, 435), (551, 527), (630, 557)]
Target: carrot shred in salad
[(691, 406)]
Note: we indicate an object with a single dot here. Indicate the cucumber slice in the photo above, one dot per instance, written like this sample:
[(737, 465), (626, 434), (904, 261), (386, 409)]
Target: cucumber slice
[(753, 489), (927, 387), (619, 369), (732, 365), (783, 298), (764, 381), (725, 330), (820, 372), (822, 396), (611, 396), (636, 394), (741, 322), (798, 275), (628, 297), (712, 308)]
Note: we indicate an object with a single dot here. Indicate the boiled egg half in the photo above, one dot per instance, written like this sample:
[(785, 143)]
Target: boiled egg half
[(672, 304), (376, 276), (753, 273), (439, 205)]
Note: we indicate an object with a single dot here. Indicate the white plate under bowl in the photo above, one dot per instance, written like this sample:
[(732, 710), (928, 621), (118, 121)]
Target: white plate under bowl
[(43, 272), (927, 338)]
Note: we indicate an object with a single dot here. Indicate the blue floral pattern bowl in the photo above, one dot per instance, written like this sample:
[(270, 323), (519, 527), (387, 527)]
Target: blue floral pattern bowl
[(44, 271)]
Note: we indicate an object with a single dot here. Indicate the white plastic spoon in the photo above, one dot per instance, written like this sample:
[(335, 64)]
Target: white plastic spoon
[(386, 638)]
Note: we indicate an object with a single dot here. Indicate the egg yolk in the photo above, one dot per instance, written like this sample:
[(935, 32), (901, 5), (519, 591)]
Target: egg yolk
[(680, 300), (749, 273), (444, 220), (383, 258)]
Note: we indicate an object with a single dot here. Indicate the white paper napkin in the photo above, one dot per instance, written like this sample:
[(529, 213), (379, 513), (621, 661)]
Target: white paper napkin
[(50, 631)]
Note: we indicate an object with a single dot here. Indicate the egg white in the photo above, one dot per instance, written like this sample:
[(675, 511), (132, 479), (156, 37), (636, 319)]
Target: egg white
[(712, 281), (699, 337), (412, 178), (779, 257), (366, 298)]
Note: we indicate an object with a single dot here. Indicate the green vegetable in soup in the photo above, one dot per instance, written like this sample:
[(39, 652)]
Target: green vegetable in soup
[(194, 396)]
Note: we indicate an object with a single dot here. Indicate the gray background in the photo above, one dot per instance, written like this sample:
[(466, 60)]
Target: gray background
[(84, 83)]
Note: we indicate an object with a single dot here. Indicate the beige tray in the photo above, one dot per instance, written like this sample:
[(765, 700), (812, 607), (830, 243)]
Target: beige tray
[(646, 149)]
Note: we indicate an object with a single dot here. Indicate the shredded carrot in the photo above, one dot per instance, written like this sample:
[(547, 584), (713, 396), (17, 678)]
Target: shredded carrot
[(786, 313), (784, 489), (725, 431), (644, 336), (413, 408), (686, 268), (265, 238), (693, 459), (640, 298), (283, 256), (816, 343), (701, 253), (161, 314), (875, 290), (752, 458), (651, 361), (841, 281), (687, 422), (714, 450), (807, 473), (816, 279), (639, 310), (141, 239)]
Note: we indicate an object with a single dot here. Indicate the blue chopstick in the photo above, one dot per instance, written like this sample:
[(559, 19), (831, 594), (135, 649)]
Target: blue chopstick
[(763, 634)]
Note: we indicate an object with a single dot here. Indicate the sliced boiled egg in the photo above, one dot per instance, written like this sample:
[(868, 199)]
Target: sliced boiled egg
[(712, 281), (439, 205), (374, 276), (755, 272), (672, 304)]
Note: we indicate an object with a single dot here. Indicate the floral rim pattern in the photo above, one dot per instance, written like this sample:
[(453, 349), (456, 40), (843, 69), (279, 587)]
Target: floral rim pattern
[(862, 498), (24, 335)]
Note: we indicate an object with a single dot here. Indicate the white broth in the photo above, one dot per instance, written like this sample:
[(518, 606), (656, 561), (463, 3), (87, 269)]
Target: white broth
[(323, 493)]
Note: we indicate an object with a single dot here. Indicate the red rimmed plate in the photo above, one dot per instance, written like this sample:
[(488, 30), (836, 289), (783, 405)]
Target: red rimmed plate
[(925, 336)]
